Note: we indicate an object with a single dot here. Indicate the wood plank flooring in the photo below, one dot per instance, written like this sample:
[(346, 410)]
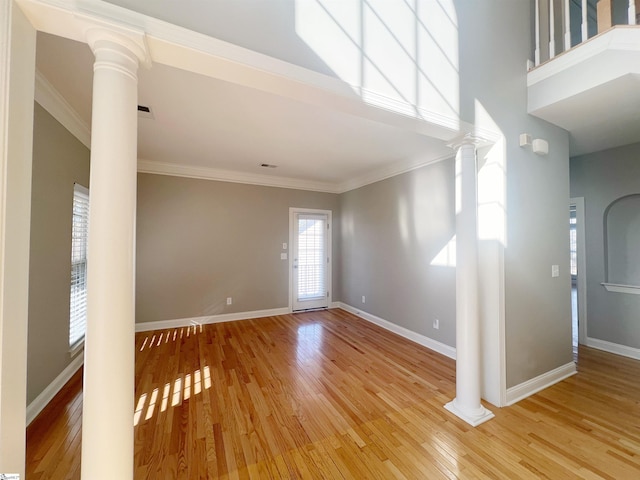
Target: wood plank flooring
[(328, 395)]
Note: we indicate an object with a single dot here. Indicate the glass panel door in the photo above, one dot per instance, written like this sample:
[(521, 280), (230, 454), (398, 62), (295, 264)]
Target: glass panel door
[(310, 260)]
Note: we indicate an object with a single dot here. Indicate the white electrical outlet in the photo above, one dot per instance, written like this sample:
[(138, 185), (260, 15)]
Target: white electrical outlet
[(436, 323), (229, 300), (283, 256), (363, 299), (555, 270)]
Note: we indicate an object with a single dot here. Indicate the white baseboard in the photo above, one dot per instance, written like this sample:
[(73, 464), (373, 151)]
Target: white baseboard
[(225, 317), (616, 348), (42, 400), (431, 344), (528, 388)]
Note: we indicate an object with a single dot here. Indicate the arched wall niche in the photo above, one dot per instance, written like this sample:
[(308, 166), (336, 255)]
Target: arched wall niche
[(622, 241)]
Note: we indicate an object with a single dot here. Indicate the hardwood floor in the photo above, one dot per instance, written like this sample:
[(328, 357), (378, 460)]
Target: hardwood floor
[(328, 395)]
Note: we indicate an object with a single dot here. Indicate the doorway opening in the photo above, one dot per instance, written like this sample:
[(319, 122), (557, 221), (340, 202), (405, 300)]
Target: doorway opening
[(573, 248), (578, 273)]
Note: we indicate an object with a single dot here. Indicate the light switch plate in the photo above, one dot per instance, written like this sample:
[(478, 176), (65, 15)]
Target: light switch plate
[(284, 246), (283, 256)]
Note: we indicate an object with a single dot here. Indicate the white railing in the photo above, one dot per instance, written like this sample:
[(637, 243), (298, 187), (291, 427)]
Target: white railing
[(574, 22)]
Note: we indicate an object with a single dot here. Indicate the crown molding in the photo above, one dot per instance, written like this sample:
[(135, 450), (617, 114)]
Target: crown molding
[(54, 103), (388, 171), (206, 173)]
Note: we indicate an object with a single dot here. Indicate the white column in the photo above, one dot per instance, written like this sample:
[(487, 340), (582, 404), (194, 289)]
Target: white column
[(467, 403), (107, 420)]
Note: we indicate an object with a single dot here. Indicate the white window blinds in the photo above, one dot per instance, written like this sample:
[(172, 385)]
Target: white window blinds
[(312, 257), (79, 235)]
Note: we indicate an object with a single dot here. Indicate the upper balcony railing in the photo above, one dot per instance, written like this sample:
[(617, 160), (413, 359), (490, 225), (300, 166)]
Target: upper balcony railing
[(562, 24)]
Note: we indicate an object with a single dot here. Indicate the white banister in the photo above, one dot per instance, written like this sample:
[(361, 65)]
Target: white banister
[(567, 26), (632, 12), (537, 22), (585, 26), (552, 30)]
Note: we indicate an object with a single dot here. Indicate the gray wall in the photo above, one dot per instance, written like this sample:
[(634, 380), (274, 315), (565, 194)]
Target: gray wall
[(391, 232), (201, 241), (495, 39), (602, 178), (59, 161)]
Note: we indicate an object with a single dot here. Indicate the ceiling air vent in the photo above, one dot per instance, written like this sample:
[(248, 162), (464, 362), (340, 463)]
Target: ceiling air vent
[(268, 165), (145, 112)]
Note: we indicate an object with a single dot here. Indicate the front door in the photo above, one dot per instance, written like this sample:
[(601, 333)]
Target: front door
[(310, 259)]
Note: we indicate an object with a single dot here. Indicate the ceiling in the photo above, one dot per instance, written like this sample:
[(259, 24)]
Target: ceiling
[(206, 123), (221, 110), (603, 117)]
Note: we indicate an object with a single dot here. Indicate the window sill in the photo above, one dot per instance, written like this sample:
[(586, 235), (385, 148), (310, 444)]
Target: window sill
[(615, 287), (76, 348)]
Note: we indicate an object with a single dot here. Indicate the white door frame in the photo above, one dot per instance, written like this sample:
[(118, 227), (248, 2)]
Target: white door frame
[(582, 269), (292, 224)]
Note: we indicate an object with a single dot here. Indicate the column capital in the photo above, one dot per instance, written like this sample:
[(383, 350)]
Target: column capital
[(468, 139), (121, 41)]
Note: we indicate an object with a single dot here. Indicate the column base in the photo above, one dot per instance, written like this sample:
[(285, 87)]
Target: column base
[(473, 418)]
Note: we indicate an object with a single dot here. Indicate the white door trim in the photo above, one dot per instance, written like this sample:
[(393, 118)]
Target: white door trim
[(292, 213), (582, 269)]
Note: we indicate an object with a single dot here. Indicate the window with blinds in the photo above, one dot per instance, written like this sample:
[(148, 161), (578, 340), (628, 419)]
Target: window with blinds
[(312, 258), (79, 235)]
